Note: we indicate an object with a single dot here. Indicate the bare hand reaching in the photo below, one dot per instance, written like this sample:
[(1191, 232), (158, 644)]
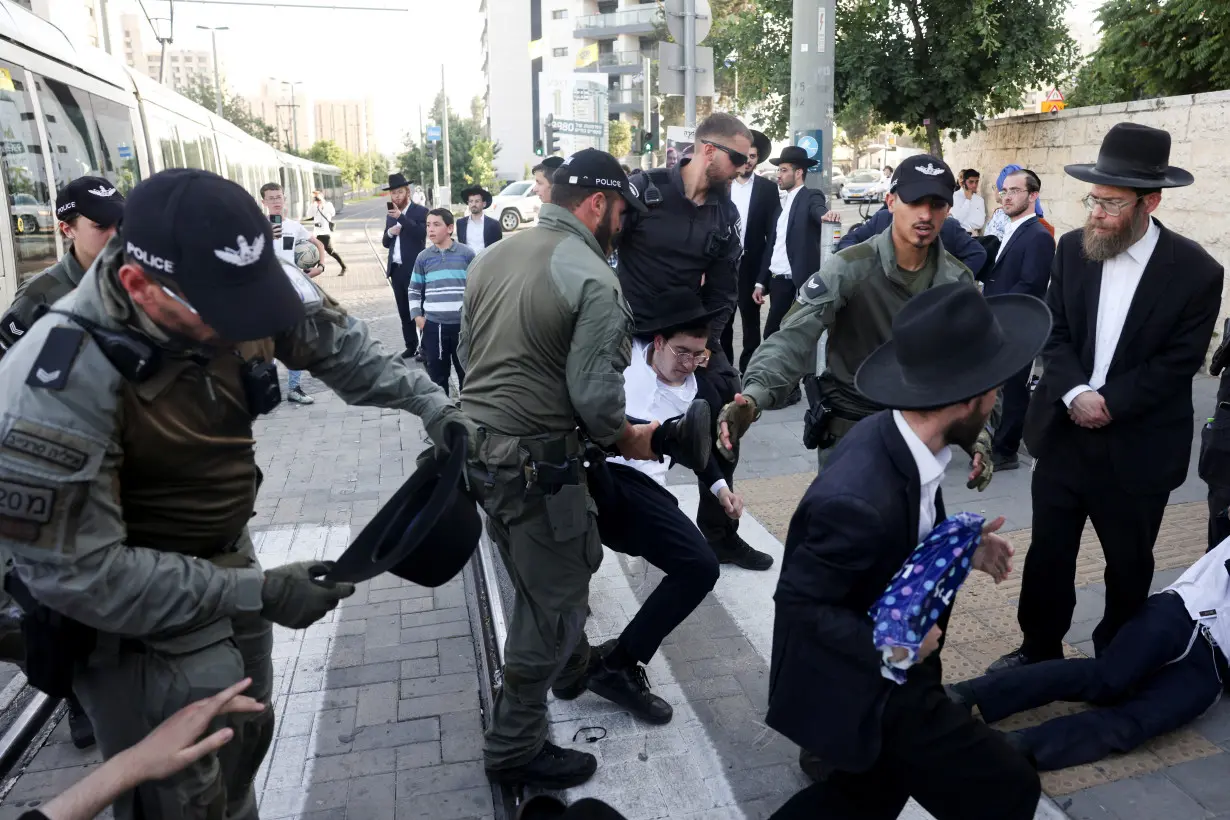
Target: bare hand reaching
[(994, 553)]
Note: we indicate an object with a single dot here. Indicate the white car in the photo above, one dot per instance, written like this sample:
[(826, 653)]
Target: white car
[(864, 186), (515, 204)]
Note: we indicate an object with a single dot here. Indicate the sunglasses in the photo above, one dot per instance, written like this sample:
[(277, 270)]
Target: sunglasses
[(737, 159)]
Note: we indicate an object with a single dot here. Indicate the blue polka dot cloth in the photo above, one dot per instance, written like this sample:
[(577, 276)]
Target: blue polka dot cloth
[(922, 590)]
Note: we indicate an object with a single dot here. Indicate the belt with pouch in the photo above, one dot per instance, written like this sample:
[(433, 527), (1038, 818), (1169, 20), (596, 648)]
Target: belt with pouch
[(553, 462)]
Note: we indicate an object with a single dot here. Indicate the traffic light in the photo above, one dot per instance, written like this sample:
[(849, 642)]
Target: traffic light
[(538, 148), (649, 137), (552, 138)]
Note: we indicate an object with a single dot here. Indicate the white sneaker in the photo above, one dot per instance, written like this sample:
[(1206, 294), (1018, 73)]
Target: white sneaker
[(299, 397)]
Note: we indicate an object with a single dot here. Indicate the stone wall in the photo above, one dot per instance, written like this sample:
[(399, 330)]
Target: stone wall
[(1199, 127)]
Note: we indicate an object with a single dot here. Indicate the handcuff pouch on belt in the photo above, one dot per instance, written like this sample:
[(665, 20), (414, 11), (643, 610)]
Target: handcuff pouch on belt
[(56, 645)]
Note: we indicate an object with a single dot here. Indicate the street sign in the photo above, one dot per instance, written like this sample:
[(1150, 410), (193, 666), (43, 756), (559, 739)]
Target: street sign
[(674, 20), (1051, 106), (1054, 95), (809, 144), (579, 127), (433, 133), (681, 133), (124, 150), (670, 75)]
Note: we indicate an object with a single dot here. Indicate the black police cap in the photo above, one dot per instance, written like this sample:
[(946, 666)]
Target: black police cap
[(95, 198), (592, 168)]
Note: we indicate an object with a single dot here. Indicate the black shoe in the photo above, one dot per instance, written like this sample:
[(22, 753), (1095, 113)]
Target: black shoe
[(796, 396), (962, 694), (1017, 659), (687, 439), (342, 272), (418, 357), (407, 353), (553, 768), (541, 807), (1003, 462), (734, 550), (628, 686), (79, 726)]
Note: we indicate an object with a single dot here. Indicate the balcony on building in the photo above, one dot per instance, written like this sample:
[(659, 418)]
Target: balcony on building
[(642, 20), (625, 100), (617, 62)]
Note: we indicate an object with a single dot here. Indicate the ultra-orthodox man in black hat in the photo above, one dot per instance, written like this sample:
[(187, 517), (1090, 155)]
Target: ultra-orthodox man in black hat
[(1110, 422), (475, 229), (405, 234)]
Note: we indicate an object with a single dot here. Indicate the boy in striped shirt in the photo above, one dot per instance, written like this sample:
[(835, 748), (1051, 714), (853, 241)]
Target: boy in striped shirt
[(437, 286)]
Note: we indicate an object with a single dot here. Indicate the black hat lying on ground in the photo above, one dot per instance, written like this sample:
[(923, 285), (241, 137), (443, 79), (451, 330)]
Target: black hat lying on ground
[(426, 532)]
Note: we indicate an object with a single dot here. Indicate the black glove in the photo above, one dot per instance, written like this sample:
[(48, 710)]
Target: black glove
[(294, 596)]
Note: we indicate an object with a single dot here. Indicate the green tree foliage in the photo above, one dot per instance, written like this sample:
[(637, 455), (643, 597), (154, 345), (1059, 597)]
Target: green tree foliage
[(471, 155), (328, 152), (757, 34), (858, 127), (619, 138), (1152, 48), (234, 109)]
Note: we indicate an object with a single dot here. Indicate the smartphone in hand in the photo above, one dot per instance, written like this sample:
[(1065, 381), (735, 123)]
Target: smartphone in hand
[(390, 206)]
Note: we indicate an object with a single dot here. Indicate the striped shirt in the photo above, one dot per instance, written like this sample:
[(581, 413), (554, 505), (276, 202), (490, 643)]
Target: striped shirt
[(438, 283)]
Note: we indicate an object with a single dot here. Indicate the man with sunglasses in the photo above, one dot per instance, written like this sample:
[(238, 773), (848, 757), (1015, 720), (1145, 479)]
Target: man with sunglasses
[(689, 239), (1110, 421)]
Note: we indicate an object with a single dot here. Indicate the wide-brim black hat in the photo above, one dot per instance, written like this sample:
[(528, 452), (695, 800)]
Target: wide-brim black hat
[(950, 345), (796, 156), (477, 189), (396, 181), (678, 307), (428, 529), (762, 145), (1133, 156)]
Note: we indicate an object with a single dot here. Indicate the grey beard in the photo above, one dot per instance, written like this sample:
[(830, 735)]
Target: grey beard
[(1100, 248)]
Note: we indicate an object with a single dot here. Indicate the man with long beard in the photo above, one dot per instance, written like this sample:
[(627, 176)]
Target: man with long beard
[(1110, 422)]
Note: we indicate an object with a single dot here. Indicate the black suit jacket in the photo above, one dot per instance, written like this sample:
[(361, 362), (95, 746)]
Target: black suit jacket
[(803, 229), (413, 223), (1025, 264), (762, 213), (492, 232), (854, 529), (1148, 388)]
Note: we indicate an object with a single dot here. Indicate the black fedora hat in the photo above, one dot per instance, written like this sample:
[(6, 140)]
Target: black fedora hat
[(428, 529), (676, 307), (796, 156), (1133, 156), (397, 180), (950, 344), (762, 145), (477, 189)]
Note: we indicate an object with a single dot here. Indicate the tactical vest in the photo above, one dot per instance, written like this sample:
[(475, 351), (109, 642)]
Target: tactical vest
[(189, 479)]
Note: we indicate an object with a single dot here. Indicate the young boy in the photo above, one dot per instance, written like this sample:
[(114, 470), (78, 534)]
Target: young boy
[(437, 286)]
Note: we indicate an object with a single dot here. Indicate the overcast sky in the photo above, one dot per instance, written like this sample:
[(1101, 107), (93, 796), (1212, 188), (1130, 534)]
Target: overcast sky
[(392, 56)]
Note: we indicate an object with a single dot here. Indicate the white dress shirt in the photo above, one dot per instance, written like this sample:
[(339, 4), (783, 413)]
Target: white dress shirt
[(931, 467), (474, 233), (1011, 229), (1120, 278), (1205, 590), (779, 263), (649, 398), (397, 242), (971, 213), (741, 195)]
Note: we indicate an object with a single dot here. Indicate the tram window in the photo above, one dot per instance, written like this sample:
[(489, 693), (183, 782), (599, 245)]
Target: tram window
[(168, 143), (192, 147), (69, 125), (115, 141), (208, 154), (21, 155)]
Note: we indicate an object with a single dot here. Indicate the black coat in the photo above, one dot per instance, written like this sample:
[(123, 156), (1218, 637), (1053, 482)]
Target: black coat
[(492, 232), (413, 235), (1024, 266), (1148, 388), (854, 529), (803, 233), (762, 213)]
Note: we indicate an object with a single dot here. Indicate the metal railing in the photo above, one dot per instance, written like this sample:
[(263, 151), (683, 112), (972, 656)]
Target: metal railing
[(624, 17)]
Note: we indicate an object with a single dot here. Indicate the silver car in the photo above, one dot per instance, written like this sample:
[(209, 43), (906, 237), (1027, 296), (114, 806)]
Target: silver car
[(515, 204), (863, 186)]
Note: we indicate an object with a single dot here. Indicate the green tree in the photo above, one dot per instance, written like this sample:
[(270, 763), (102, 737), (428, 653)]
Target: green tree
[(756, 35), (234, 109), (1152, 48), (619, 138), (481, 170), (466, 141), (858, 126), (328, 152)]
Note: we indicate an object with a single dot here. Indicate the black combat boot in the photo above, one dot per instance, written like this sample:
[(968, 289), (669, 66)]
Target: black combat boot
[(687, 439), (552, 768), (622, 680), (79, 725), (734, 550)]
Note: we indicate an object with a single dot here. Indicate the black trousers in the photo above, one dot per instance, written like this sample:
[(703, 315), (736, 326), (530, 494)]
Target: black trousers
[(749, 315), (954, 765), (1151, 679), (637, 516), (781, 298), (1127, 526), (327, 241), (440, 351), (399, 278), (1012, 421), (1219, 519), (711, 518)]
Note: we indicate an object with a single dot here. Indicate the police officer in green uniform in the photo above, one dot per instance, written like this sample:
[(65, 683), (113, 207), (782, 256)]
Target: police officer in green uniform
[(546, 337), (855, 297), (127, 472), (89, 211)]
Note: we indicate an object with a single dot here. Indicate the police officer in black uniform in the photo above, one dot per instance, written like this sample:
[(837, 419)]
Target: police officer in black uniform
[(689, 238)]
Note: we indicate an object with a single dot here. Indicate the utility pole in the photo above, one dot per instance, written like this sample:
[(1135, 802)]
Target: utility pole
[(646, 102), (689, 61), (423, 145), (213, 36), (294, 109), (448, 165), (811, 85)]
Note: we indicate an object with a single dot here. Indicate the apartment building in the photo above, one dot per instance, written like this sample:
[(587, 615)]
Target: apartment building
[(349, 123), (184, 67)]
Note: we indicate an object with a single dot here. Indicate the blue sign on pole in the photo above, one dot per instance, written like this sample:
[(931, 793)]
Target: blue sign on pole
[(124, 150), (809, 144), (433, 133)]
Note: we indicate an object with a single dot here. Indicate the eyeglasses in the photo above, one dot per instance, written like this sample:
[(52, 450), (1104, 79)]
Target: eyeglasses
[(688, 358), (179, 299), (1112, 207), (737, 159), (1013, 191)]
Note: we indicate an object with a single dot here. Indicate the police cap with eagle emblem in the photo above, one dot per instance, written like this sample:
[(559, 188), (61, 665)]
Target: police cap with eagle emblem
[(923, 175), (592, 168), (95, 198), (205, 237)]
